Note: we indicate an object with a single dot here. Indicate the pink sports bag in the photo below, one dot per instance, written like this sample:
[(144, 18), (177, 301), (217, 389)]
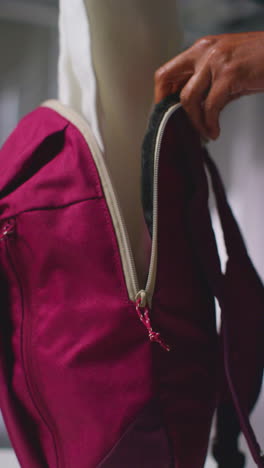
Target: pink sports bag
[(96, 372)]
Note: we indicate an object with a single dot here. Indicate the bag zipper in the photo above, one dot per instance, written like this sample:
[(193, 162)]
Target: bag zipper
[(141, 297), (149, 289), (8, 231)]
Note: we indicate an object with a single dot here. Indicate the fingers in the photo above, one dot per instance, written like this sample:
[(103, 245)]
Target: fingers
[(218, 97), (202, 98), (193, 95), (202, 76), (165, 87), (172, 76)]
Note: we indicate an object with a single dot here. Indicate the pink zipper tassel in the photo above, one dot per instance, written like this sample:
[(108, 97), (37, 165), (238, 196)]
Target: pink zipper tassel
[(7, 229), (143, 313)]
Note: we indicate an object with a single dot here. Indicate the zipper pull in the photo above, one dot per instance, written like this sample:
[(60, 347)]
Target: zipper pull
[(143, 312), (7, 229)]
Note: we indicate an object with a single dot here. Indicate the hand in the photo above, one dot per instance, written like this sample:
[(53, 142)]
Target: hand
[(213, 72)]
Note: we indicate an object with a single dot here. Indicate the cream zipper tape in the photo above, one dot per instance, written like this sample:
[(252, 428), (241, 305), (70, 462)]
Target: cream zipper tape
[(154, 248), (110, 195), (128, 262)]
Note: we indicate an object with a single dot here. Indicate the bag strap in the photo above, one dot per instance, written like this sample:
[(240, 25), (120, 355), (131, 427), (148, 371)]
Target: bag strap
[(241, 298)]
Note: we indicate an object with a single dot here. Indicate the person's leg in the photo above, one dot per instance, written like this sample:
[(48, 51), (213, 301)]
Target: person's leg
[(129, 41)]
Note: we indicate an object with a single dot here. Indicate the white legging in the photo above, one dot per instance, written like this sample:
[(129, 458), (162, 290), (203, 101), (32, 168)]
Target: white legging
[(109, 52)]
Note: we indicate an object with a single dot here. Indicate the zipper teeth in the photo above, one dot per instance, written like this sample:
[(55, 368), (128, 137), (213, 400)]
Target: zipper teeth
[(153, 259), (129, 266), (128, 262)]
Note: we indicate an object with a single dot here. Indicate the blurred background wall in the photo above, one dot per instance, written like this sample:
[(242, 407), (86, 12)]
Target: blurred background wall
[(28, 75), (28, 52)]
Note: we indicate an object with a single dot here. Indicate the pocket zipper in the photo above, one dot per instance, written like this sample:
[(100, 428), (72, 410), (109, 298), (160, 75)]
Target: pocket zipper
[(7, 232), (142, 298)]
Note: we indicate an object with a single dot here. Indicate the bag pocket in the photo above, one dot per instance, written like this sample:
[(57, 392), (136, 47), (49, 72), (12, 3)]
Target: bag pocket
[(28, 412)]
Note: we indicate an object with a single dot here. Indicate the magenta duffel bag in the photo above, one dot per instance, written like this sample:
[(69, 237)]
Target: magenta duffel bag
[(97, 371)]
